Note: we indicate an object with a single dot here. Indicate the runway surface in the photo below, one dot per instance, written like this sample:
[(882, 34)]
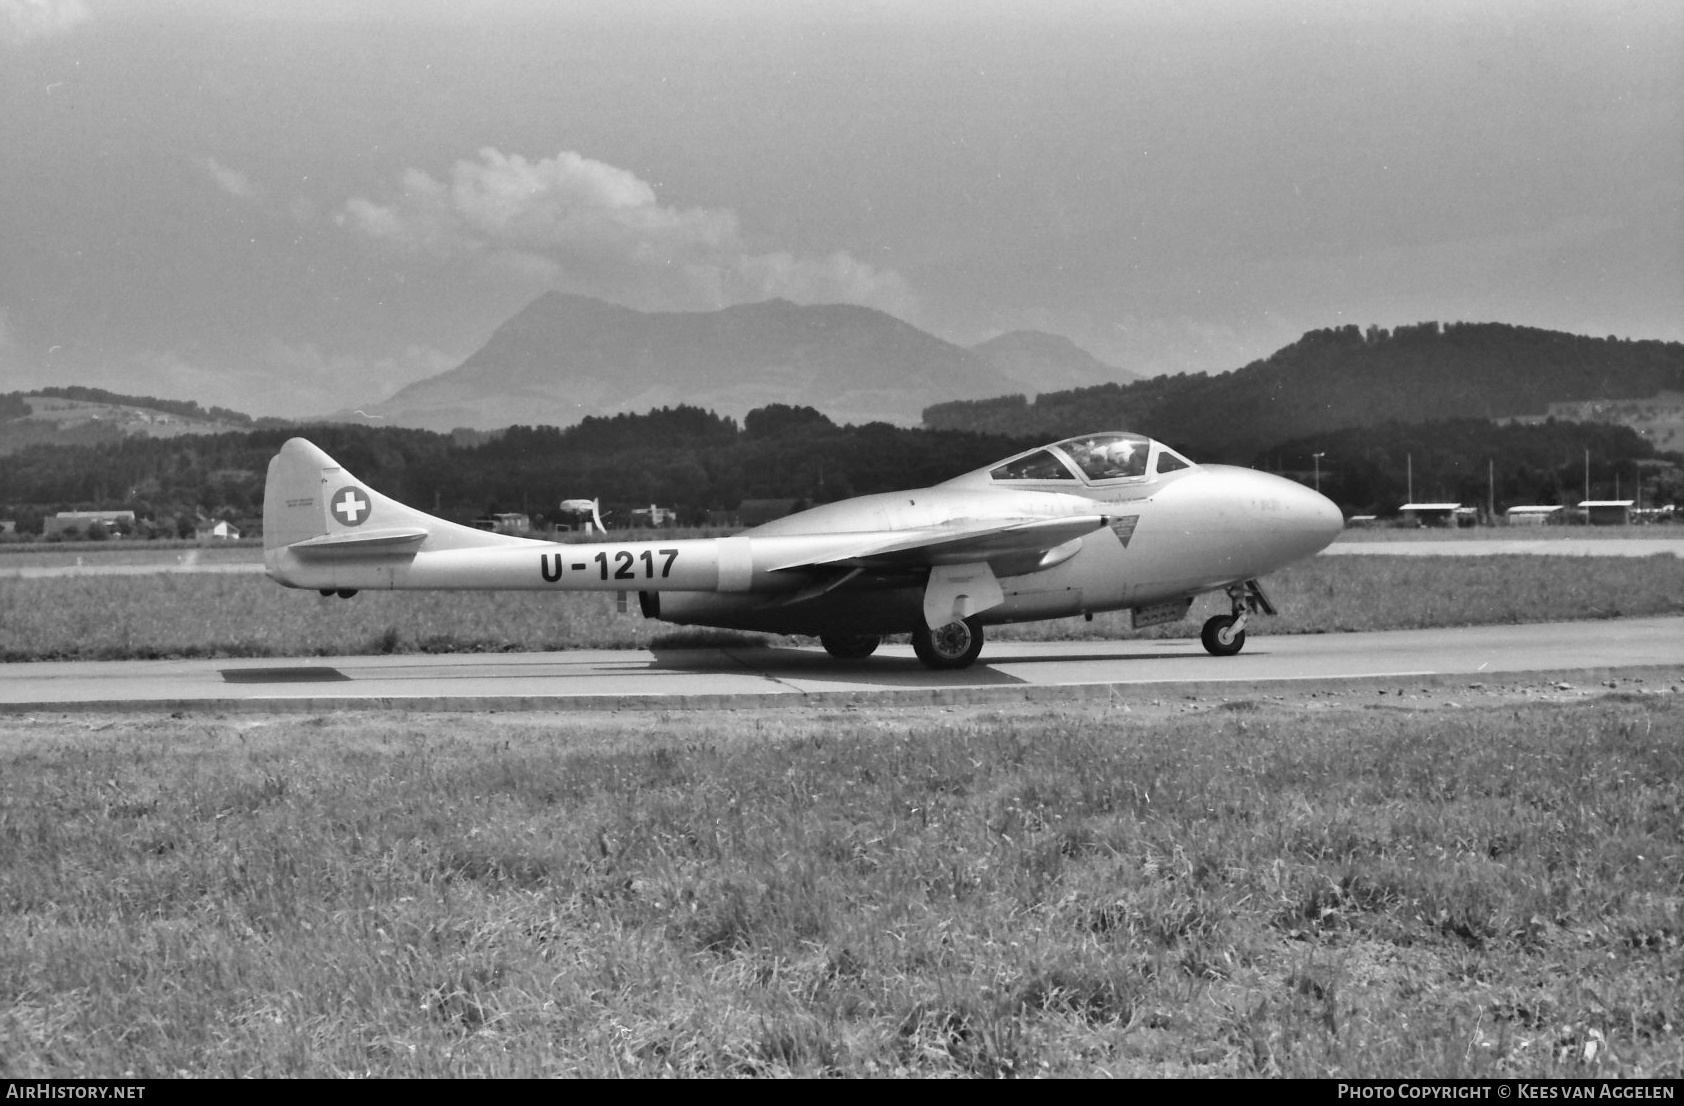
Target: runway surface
[(756, 677)]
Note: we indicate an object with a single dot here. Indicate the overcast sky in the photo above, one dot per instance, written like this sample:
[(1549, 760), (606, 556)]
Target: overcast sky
[(289, 208)]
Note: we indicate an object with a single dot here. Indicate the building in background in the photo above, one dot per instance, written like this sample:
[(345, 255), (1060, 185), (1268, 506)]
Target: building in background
[(1532, 514), (80, 521), (1607, 512), (1430, 514)]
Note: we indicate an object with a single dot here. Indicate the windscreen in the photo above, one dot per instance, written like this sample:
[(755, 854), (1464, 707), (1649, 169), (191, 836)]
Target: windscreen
[(1040, 465)]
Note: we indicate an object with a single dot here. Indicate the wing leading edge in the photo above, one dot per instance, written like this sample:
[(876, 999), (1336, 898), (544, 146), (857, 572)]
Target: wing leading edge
[(955, 543)]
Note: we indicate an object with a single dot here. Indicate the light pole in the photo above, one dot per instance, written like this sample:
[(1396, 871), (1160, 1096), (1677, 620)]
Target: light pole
[(1316, 457)]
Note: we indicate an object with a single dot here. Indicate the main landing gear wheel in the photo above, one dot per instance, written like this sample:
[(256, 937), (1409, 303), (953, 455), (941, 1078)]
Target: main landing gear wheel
[(849, 647), (1220, 638), (954, 645)]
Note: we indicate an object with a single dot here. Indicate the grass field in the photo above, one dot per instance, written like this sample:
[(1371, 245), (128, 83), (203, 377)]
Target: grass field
[(124, 617), (1333, 885)]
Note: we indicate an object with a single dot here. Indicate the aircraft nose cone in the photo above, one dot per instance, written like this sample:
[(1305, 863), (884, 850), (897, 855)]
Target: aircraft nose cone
[(1322, 516), (1310, 518)]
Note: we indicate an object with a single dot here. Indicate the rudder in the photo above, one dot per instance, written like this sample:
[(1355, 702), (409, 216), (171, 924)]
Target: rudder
[(299, 476)]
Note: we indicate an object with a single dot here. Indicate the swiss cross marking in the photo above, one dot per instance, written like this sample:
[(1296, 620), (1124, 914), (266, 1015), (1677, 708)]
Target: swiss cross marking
[(350, 505)]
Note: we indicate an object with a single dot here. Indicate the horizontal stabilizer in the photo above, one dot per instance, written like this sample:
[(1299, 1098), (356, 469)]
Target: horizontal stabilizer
[(948, 545), (398, 540)]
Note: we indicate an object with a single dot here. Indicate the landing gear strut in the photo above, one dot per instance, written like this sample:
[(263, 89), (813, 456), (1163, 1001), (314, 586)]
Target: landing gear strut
[(1224, 635), (954, 645)]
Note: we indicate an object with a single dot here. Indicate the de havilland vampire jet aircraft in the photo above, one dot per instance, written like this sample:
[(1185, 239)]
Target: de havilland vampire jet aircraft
[(1100, 522)]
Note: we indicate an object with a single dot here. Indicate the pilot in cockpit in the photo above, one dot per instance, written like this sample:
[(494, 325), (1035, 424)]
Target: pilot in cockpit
[(1110, 458)]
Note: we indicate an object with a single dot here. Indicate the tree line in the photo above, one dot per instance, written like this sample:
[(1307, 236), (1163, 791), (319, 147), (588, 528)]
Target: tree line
[(706, 465), (1376, 469), (681, 457)]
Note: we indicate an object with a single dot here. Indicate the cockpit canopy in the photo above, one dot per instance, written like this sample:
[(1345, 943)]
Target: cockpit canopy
[(1103, 459)]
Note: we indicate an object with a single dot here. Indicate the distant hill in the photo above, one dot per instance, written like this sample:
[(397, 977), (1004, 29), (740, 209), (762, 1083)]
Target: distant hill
[(1330, 379), (1042, 362), (89, 416), (565, 357), (1659, 418)]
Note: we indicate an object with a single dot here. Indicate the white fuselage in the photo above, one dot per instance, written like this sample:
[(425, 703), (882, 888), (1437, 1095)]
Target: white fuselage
[(1061, 531), (1211, 527)]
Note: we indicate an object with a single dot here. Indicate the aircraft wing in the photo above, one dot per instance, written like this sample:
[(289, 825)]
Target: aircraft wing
[(952, 544)]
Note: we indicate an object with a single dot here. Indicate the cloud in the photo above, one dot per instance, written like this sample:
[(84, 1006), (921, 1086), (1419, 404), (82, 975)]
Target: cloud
[(586, 226), (26, 20), (231, 181)]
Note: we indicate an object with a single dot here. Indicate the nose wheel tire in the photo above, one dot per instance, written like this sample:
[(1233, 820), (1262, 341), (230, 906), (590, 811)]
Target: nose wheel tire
[(1220, 638), (955, 645), (849, 647)]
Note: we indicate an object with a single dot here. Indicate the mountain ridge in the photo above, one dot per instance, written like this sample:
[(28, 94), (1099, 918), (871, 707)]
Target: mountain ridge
[(563, 357), (1045, 362), (1343, 377)]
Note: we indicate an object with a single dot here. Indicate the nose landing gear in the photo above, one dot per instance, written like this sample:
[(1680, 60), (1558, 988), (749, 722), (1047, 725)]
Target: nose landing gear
[(1224, 635)]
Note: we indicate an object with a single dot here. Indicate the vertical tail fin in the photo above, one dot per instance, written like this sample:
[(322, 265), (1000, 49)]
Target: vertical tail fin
[(313, 508), (293, 497)]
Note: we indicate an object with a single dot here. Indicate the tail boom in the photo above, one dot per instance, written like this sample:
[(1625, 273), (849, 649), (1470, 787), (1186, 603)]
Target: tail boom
[(690, 565)]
